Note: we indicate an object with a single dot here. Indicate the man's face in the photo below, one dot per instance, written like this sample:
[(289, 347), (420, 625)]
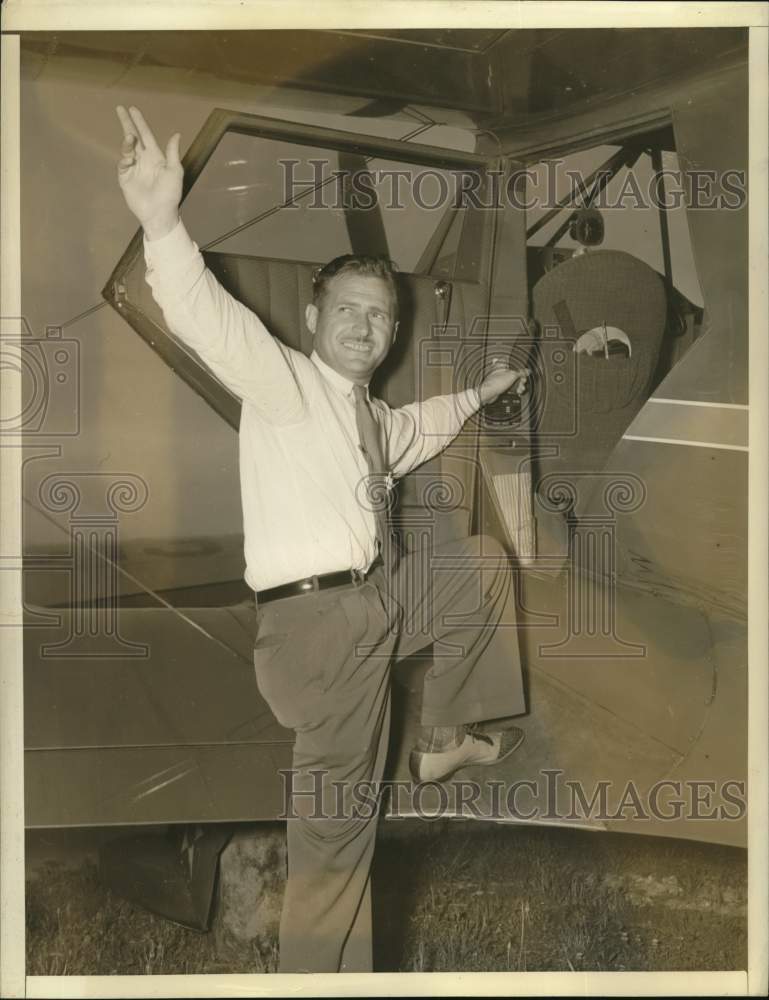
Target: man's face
[(354, 325)]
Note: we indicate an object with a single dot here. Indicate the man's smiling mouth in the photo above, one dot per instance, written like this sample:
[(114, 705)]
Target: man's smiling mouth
[(358, 346)]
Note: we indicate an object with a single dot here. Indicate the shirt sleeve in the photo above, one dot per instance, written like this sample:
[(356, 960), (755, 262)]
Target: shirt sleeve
[(230, 339), (417, 432)]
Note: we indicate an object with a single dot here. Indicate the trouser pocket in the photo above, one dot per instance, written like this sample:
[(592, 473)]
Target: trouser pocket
[(300, 650)]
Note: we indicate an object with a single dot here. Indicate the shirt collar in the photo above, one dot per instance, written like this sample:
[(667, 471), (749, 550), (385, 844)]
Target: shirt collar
[(342, 384)]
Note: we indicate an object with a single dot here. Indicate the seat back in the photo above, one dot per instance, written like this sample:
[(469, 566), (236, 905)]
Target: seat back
[(588, 401)]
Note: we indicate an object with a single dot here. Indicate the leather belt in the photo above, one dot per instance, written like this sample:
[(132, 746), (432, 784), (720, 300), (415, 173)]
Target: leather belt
[(312, 584)]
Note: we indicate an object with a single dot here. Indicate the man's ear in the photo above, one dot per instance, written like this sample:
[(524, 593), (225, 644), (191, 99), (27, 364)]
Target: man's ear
[(311, 317)]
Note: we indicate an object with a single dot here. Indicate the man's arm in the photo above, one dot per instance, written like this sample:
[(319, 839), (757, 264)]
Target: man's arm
[(419, 431), (229, 338)]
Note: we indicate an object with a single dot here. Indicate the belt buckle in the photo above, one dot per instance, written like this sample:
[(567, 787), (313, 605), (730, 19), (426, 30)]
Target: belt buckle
[(358, 576)]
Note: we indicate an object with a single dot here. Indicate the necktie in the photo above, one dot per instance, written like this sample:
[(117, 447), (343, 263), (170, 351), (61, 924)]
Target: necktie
[(377, 494)]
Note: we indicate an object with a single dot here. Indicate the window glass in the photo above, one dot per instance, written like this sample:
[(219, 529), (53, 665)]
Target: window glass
[(630, 214), (235, 205), (413, 200), (445, 264), (548, 182), (270, 198)]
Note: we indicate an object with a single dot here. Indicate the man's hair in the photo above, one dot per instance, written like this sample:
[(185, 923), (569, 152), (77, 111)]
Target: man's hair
[(366, 266)]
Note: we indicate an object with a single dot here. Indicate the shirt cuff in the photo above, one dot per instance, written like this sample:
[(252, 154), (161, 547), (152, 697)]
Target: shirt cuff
[(468, 402), (175, 248)]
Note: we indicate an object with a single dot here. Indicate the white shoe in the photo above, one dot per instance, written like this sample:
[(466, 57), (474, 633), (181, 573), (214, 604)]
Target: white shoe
[(476, 748)]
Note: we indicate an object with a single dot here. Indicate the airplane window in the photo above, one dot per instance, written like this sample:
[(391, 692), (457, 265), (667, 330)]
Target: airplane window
[(615, 189), (444, 266), (549, 182), (631, 217), (235, 203), (424, 195), (269, 198)]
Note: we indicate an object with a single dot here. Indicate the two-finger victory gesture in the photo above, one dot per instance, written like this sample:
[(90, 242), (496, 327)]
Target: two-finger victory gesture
[(151, 180)]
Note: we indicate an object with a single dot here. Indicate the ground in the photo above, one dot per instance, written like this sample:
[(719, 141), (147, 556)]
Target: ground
[(448, 896)]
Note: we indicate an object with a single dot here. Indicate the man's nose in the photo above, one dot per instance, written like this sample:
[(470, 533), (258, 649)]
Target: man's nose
[(362, 325)]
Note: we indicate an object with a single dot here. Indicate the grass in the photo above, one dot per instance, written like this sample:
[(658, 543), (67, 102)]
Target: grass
[(77, 927), (537, 899), (448, 897)]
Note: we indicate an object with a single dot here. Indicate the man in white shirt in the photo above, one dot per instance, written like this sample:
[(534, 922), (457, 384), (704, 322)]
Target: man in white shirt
[(334, 600)]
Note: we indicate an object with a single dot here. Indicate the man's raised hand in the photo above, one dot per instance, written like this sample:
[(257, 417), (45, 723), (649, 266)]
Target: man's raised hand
[(150, 179)]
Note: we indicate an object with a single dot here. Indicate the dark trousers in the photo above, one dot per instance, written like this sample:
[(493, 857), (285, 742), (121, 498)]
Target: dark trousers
[(323, 665)]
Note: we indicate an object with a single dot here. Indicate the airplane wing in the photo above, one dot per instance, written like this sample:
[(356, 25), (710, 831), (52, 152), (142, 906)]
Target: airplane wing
[(172, 730)]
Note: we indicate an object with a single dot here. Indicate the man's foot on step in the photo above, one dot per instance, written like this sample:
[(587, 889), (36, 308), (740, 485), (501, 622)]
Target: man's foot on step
[(476, 748)]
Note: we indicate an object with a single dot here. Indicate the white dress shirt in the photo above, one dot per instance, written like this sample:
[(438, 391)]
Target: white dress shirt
[(300, 463)]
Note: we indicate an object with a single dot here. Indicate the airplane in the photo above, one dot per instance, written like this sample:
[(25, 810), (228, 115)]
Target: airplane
[(617, 483)]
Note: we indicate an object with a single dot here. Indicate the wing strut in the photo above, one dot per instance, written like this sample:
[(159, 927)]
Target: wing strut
[(600, 177)]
